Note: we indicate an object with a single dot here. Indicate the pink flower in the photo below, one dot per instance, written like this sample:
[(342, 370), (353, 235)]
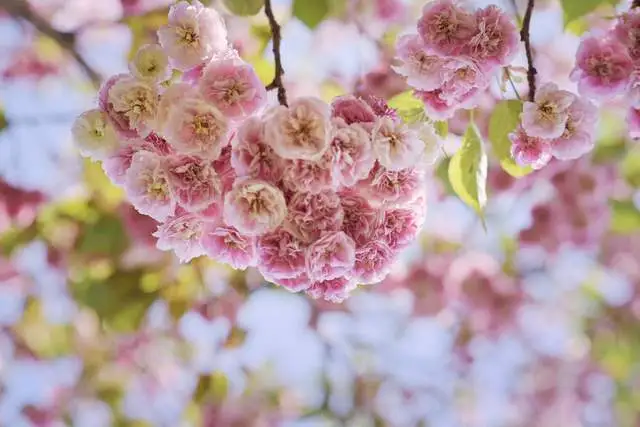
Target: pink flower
[(131, 104), (627, 31), (380, 107), (331, 256), (252, 156), (295, 284), (301, 131), (334, 290), (445, 28), (603, 67), (147, 186), (633, 121), (495, 41), (373, 262), (399, 227), (352, 110), (183, 235), (116, 165), (423, 71), (384, 186), (352, 156), (170, 99), (310, 176), (281, 255), (233, 86), (578, 137), (361, 220), (312, 215), (193, 35), (547, 116), (224, 168), (195, 127), (254, 207), (228, 245), (396, 145), (529, 150), (193, 181)]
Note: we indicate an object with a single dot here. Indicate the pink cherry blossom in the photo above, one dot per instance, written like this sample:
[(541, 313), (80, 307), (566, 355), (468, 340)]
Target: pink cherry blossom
[(331, 256), (423, 71), (351, 152), (116, 165), (194, 183), (399, 227), (132, 105), (361, 220), (94, 135), (251, 155), (170, 99), (380, 107), (384, 186), (224, 168), (233, 87), (295, 284), (310, 176), (396, 145), (281, 255), (228, 245), (198, 128), (547, 116), (529, 150), (603, 67), (334, 290), (496, 39), (578, 137), (182, 234), (373, 262), (147, 186), (445, 28), (352, 110), (301, 131), (312, 215), (633, 122), (627, 31), (193, 35), (254, 207)]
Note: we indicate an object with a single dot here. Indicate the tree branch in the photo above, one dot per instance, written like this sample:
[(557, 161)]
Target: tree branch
[(276, 38), (21, 9), (635, 3), (524, 37)]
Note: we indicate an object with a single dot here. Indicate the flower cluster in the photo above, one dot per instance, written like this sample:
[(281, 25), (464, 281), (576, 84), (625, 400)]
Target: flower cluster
[(454, 53), (319, 197), (606, 65), (557, 124)]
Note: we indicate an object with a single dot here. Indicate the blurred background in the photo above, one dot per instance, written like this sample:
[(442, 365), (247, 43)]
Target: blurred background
[(532, 322)]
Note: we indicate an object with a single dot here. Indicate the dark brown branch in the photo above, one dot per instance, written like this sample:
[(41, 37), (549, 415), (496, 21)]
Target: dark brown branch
[(525, 38), (21, 9), (635, 3), (276, 38)]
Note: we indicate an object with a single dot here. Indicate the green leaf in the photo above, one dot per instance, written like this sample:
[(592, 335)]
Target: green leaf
[(442, 128), (311, 12), (468, 171), (3, 119), (625, 217), (409, 108), (631, 168), (244, 7), (575, 9), (504, 119), (212, 387)]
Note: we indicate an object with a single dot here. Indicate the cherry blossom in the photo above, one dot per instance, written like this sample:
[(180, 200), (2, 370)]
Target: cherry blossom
[(547, 116), (94, 135), (331, 256), (228, 245), (147, 186), (254, 207)]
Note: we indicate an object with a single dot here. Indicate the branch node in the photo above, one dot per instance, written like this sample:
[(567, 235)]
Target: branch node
[(276, 37), (525, 38)]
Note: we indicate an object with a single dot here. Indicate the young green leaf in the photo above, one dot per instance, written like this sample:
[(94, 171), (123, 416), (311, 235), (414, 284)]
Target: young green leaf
[(310, 12), (468, 171), (576, 9), (442, 128), (504, 119), (244, 7), (625, 217)]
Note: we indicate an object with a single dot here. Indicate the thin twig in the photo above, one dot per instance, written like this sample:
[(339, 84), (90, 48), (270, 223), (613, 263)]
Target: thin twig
[(21, 9), (524, 37), (276, 38), (513, 85)]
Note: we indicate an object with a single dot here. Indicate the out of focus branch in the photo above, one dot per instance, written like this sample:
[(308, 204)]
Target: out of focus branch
[(276, 37), (635, 3), (525, 38), (21, 9)]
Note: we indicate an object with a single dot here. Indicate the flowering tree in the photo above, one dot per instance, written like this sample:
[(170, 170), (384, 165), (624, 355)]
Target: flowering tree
[(208, 262)]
